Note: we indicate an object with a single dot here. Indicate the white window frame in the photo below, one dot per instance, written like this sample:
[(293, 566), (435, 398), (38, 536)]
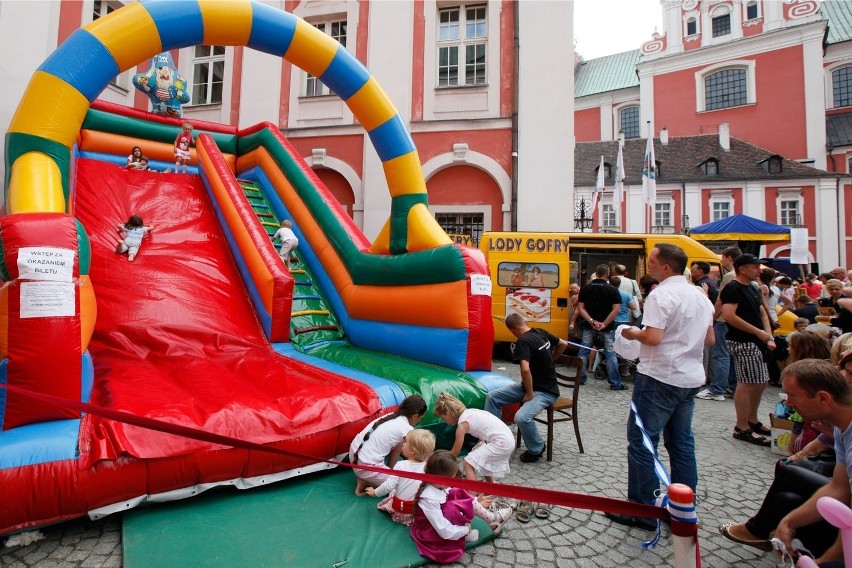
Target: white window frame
[(210, 60), (666, 200), (829, 81), (122, 80), (461, 43), (609, 220), (718, 12), (691, 16), (617, 118), (745, 6), (790, 195), (312, 86), (721, 197), (706, 24), (751, 88)]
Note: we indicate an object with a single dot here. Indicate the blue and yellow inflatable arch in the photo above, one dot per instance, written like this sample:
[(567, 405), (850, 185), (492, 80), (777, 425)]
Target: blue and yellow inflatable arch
[(48, 120)]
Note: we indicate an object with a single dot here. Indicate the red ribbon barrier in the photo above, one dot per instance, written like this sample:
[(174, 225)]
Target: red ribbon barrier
[(551, 496)]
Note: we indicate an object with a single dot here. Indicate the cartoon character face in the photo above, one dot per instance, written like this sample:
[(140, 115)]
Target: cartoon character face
[(164, 76)]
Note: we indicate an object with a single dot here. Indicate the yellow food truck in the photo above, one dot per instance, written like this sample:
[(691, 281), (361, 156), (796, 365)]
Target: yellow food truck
[(530, 272)]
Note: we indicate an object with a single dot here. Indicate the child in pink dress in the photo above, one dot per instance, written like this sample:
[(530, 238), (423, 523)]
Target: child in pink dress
[(400, 491)]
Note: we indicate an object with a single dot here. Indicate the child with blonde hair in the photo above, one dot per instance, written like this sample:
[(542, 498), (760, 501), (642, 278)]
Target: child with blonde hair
[(382, 440), (443, 515), (490, 456), (417, 447)]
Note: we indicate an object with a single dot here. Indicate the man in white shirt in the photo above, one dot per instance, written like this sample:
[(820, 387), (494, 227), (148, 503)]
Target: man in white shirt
[(678, 322)]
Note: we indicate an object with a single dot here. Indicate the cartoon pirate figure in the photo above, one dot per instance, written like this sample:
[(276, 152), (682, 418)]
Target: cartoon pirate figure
[(163, 85)]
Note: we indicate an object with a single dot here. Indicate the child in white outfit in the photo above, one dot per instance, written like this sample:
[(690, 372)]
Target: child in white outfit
[(132, 231), (288, 239), (400, 491), (382, 439), (490, 457)]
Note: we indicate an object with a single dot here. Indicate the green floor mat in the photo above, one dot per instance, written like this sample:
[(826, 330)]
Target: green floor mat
[(310, 521)]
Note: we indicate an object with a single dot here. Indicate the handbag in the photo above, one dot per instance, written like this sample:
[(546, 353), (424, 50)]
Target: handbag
[(637, 313)]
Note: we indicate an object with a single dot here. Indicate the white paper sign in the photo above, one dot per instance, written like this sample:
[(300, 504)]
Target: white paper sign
[(47, 299), (480, 285), (46, 263), (798, 246)]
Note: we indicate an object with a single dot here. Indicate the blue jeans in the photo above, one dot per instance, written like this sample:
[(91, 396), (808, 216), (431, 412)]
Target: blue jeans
[(723, 374), (588, 336), (663, 409), (524, 417)]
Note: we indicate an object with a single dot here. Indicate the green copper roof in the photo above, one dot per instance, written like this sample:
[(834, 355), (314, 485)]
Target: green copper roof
[(839, 16), (607, 74)]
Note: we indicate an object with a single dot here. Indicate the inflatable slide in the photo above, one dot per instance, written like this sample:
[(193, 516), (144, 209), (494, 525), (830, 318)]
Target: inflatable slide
[(207, 328)]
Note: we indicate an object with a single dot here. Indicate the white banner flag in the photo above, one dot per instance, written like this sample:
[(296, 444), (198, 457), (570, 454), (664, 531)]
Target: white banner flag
[(618, 184), (798, 246), (599, 187), (649, 172)]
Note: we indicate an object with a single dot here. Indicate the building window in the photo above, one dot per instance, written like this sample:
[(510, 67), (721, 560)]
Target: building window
[(691, 26), (721, 25), (337, 30), (789, 213), (462, 30), (841, 83), (725, 88), (608, 218), (462, 224), (721, 210), (773, 165), (710, 167), (208, 74), (663, 215), (751, 10), (629, 119)]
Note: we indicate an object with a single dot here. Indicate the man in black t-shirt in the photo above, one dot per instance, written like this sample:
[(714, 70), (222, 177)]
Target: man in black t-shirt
[(535, 351), (749, 339), (599, 305)]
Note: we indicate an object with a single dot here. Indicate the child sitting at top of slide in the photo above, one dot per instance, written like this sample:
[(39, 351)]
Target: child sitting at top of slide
[(400, 491), (383, 439)]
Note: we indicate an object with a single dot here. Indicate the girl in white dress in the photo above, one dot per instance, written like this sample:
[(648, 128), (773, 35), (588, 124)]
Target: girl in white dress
[(401, 491), (382, 440), (490, 457)]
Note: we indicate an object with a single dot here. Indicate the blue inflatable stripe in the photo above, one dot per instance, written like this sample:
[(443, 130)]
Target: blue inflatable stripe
[(3, 380), (156, 165), (388, 392), (42, 442), (254, 294), (87, 376), (345, 75), (435, 345), (491, 381), (271, 30), (391, 139), (83, 62), (179, 23)]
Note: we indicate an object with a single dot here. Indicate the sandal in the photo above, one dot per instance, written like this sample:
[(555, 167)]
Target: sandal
[(542, 511), (760, 544), (500, 515), (750, 437), (524, 512), (759, 428)]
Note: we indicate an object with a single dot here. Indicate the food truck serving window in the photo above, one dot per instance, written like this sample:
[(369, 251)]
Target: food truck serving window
[(527, 275)]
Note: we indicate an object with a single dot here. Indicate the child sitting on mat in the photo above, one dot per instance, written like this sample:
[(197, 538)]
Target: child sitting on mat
[(489, 457), (382, 439), (442, 515), (400, 491)]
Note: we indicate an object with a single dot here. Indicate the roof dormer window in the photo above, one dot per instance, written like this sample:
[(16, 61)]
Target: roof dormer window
[(710, 167), (773, 164)]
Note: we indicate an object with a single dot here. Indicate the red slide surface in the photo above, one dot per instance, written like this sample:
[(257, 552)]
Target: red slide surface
[(177, 338)]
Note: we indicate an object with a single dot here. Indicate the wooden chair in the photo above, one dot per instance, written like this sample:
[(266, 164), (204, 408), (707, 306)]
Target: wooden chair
[(564, 409)]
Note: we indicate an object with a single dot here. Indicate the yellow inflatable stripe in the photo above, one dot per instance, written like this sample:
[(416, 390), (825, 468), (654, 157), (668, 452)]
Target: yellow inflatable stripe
[(132, 22), (226, 22), (404, 175), (50, 108), (88, 311), (309, 313), (35, 185), (371, 105), (311, 49), (423, 231)]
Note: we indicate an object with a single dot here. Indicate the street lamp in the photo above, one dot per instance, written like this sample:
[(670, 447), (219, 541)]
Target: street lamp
[(583, 218)]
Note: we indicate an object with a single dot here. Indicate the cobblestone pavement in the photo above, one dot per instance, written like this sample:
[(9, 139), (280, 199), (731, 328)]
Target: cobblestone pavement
[(734, 477)]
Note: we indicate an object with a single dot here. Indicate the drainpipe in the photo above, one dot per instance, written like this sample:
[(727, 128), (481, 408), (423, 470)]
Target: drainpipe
[(516, 51)]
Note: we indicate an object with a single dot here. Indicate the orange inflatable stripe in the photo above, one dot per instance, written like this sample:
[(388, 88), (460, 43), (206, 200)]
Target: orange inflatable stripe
[(88, 311), (108, 143), (260, 274), (412, 305)]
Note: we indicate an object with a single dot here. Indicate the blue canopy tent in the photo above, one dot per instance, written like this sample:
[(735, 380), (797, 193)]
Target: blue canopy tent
[(746, 232)]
